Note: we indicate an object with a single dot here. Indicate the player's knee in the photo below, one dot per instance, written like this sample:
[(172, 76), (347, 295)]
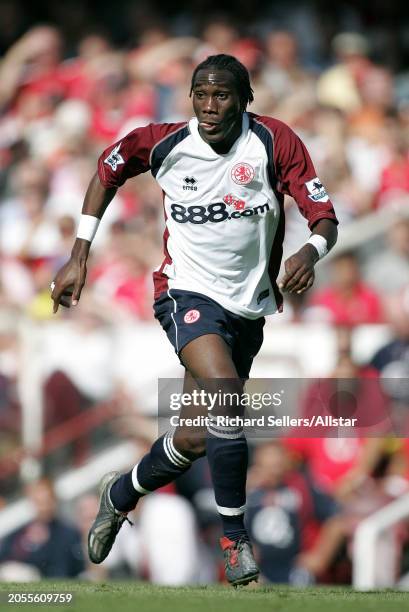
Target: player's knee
[(192, 447)]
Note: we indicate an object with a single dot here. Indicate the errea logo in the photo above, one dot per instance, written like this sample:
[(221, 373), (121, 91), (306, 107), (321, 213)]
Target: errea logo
[(114, 159), (190, 183)]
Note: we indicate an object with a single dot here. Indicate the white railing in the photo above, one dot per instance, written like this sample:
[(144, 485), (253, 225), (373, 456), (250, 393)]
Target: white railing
[(376, 547), (370, 227)]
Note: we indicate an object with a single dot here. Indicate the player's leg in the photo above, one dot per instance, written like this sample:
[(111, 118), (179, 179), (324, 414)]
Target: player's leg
[(120, 493), (169, 457), (208, 358), (190, 440), (187, 318)]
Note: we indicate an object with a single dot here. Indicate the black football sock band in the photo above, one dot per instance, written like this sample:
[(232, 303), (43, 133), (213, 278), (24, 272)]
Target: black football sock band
[(156, 469), (227, 454)]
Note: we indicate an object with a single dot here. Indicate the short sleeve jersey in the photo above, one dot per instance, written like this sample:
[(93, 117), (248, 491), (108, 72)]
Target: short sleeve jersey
[(223, 212)]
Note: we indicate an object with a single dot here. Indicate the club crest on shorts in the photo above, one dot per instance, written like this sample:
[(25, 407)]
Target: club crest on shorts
[(242, 173), (191, 316)]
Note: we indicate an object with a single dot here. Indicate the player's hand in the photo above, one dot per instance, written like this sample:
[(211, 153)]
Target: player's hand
[(68, 283), (299, 270)]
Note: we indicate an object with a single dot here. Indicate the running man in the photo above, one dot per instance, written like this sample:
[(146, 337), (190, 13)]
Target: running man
[(224, 175)]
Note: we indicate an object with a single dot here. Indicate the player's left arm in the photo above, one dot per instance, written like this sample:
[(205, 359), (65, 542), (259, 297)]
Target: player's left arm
[(299, 268), (296, 176)]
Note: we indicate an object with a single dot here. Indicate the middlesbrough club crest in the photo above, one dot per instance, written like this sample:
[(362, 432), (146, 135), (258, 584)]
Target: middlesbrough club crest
[(242, 173), (191, 316)]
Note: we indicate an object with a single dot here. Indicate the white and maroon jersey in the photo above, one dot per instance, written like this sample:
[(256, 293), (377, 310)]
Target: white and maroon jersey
[(224, 213)]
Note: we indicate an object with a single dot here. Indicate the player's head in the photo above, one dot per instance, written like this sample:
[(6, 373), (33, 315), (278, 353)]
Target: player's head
[(238, 72), (221, 91), (271, 461), (345, 270), (42, 495)]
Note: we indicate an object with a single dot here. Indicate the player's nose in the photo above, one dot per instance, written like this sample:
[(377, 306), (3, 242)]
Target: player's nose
[(210, 105)]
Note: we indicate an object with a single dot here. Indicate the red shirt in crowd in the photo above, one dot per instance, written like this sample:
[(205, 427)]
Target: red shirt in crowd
[(361, 306)]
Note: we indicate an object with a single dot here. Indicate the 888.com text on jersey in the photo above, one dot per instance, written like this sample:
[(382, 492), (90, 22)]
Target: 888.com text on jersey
[(215, 213)]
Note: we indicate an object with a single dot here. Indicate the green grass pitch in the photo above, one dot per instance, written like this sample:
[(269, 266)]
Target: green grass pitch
[(142, 597)]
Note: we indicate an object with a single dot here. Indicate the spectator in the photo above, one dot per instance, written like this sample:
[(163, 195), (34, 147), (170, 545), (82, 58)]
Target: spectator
[(219, 36), (388, 269), (339, 85), (80, 74), (393, 187), (341, 459), (284, 511), (26, 230), (282, 71), (347, 300), (336, 538), (10, 409), (31, 66), (392, 360), (47, 542)]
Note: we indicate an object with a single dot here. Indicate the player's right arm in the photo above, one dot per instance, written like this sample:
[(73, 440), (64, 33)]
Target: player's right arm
[(71, 277), (132, 155)]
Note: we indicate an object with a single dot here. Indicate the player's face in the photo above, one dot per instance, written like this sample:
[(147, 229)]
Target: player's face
[(216, 103)]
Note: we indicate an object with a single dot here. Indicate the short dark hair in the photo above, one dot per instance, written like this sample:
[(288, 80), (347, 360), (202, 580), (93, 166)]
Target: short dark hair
[(236, 68)]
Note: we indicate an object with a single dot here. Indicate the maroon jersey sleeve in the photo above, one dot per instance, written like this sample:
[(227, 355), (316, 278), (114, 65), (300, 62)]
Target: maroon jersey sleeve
[(296, 175), (132, 154)]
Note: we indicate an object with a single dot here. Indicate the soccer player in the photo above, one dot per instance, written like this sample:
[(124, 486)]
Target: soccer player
[(224, 175)]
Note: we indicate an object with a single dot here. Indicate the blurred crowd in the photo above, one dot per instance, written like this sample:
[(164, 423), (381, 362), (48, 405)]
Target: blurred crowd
[(305, 501), (60, 105)]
